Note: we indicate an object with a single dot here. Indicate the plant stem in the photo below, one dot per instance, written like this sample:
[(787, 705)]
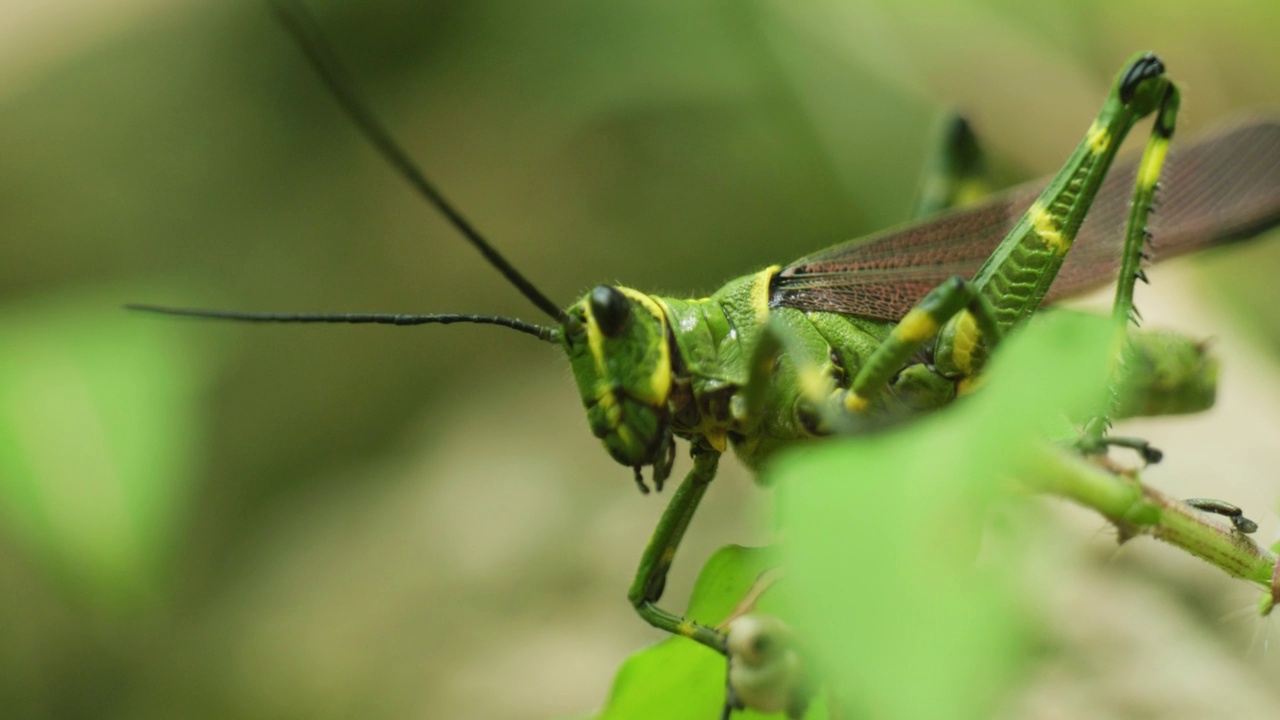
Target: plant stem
[(1138, 509)]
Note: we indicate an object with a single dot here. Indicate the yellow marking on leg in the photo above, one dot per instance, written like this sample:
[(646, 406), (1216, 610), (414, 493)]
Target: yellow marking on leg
[(855, 403), (971, 192), (814, 385), (686, 629), (1046, 227), (668, 557), (969, 384), (1152, 161), (718, 438), (964, 343), (916, 327), (1099, 138)]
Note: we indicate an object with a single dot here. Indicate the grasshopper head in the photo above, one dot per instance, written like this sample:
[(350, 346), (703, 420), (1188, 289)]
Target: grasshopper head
[(617, 344)]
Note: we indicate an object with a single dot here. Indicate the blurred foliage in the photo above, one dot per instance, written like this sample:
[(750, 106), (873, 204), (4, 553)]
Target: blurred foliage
[(327, 522), (99, 423), (880, 575), (884, 580)]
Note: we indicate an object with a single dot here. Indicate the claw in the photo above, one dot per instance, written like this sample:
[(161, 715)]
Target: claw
[(1144, 68), (1151, 455)]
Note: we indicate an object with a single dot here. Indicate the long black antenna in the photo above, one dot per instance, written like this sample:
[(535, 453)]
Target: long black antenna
[(302, 26), (546, 334)]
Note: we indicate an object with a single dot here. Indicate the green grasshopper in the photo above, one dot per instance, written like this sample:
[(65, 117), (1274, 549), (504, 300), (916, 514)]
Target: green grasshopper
[(868, 331)]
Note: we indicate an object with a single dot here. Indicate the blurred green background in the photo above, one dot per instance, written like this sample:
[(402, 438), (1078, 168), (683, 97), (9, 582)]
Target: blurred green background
[(266, 522)]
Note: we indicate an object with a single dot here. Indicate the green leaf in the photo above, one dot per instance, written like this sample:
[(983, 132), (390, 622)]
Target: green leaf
[(678, 678), (883, 533), (97, 420)]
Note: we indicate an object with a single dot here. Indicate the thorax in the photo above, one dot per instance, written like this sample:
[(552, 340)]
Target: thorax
[(714, 342)]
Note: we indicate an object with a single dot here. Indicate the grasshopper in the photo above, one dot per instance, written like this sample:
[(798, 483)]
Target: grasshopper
[(867, 331)]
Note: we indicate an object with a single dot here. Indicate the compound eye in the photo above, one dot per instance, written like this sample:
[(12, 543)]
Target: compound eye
[(610, 308)]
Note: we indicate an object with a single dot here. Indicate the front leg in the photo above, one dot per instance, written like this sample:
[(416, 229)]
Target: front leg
[(651, 576), (823, 405), (811, 390), (953, 297)]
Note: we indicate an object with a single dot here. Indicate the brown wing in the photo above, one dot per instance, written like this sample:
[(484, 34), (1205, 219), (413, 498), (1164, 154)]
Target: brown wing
[(1223, 187)]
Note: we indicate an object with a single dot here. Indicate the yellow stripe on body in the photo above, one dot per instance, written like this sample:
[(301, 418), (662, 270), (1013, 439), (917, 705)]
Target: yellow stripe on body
[(760, 293), (595, 341), (660, 380)]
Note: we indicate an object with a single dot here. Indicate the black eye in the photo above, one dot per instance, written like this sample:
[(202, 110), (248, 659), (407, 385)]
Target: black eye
[(610, 308)]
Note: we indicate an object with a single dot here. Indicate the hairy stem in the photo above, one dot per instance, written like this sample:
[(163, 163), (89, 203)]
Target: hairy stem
[(1138, 509)]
